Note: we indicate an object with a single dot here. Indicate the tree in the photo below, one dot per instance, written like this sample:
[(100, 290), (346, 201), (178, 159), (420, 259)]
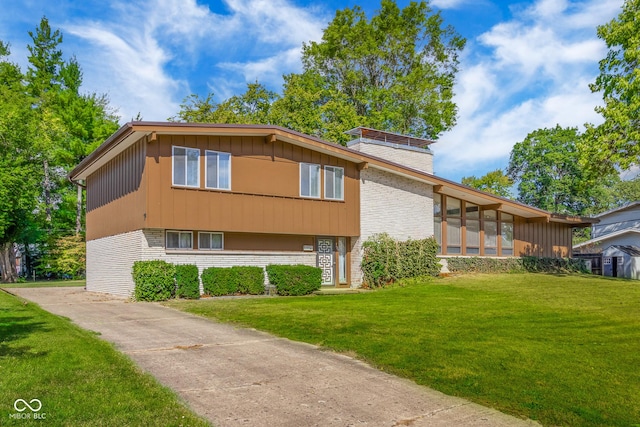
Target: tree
[(393, 72), (396, 70), (548, 173), (495, 182), (617, 140), (18, 174)]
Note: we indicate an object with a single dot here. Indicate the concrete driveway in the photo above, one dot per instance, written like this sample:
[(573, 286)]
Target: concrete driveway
[(242, 377)]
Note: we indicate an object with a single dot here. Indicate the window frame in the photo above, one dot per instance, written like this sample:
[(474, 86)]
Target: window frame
[(179, 232), (221, 234), (333, 169), (186, 167), (319, 184), (206, 169)]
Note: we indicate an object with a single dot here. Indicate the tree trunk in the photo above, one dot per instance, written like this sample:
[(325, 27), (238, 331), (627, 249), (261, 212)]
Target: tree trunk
[(8, 263), (47, 190), (79, 211)]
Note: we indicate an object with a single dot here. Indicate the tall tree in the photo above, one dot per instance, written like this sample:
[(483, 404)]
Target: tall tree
[(495, 182), (397, 69), (617, 140), (548, 174), (18, 173)]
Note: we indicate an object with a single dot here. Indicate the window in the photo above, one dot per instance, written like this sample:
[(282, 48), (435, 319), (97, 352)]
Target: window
[(472, 222), (218, 170), (490, 237), (179, 240), (333, 183), (186, 166), (454, 225), (211, 241), (309, 180), (506, 233), (437, 220), (342, 260)]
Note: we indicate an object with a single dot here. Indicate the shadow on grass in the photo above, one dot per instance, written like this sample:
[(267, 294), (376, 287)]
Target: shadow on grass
[(15, 328)]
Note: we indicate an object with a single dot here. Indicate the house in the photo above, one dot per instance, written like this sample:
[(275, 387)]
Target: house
[(615, 236), (222, 195)]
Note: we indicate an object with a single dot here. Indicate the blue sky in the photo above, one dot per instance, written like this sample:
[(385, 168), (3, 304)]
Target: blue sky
[(527, 64)]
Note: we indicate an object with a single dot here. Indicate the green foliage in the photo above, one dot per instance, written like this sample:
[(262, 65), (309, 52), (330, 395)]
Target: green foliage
[(495, 182), (615, 141), (394, 71), (218, 281), (516, 265), (233, 280), (154, 280), (294, 279), (187, 281), (386, 260), (547, 169), (250, 280), (65, 257)]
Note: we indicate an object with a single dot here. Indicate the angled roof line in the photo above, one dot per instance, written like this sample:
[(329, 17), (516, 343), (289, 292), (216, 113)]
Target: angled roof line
[(607, 236), (133, 131)]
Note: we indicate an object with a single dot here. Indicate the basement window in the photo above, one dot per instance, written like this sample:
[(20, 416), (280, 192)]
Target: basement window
[(179, 240)]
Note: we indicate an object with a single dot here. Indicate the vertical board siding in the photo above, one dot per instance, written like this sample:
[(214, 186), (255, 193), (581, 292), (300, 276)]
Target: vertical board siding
[(116, 194), (542, 239), (265, 190)]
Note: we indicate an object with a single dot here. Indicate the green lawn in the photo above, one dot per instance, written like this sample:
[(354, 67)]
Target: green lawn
[(44, 284), (79, 379), (563, 350)]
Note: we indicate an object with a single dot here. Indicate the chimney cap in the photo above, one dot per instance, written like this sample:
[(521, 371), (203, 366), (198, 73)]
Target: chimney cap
[(389, 137)]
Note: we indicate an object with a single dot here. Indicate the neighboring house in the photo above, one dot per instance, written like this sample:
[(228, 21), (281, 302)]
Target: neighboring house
[(222, 195), (617, 234)]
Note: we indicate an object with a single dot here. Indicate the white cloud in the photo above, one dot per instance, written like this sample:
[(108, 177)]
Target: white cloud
[(535, 75), (450, 4)]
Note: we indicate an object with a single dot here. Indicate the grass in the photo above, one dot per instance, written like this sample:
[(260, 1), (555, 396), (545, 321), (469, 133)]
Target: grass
[(79, 379), (563, 350), (44, 284)]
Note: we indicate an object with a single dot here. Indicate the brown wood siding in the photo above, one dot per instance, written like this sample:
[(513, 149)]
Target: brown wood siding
[(266, 242), (542, 239), (264, 196), (116, 194)]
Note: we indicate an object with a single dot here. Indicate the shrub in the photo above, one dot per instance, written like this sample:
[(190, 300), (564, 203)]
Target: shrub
[(513, 265), (294, 279), (250, 280), (484, 265), (386, 260), (218, 281), (187, 281), (154, 280)]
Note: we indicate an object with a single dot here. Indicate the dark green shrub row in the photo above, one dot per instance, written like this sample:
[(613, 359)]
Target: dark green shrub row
[(294, 279), (386, 260), (218, 281), (515, 265), (154, 280), (187, 281)]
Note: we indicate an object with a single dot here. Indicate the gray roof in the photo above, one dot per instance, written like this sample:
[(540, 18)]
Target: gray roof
[(628, 249)]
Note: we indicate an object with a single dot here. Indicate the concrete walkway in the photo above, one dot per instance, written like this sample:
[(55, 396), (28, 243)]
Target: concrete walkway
[(242, 377)]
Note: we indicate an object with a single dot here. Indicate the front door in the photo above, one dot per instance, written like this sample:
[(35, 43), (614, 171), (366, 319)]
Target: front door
[(326, 260)]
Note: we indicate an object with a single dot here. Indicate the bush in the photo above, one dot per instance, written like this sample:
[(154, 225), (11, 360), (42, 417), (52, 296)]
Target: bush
[(294, 279), (154, 280), (514, 265), (386, 260), (218, 281), (484, 265), (250, 280), (187, 281)]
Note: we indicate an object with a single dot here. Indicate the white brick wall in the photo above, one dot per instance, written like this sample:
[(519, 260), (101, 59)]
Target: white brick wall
[(391, 204), (110, 259), (413, 157), (109, 262)]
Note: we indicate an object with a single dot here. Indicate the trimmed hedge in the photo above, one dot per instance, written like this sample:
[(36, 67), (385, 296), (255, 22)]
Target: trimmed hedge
[(386, 260), (218, 281), (250, 280), (187, 281), (154, 280), (294, 279), (515, 265)]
